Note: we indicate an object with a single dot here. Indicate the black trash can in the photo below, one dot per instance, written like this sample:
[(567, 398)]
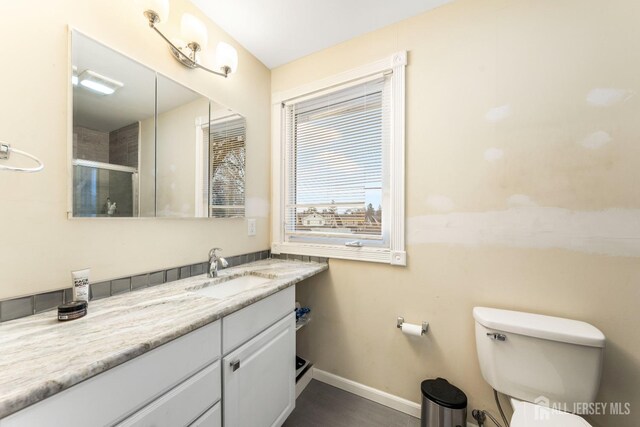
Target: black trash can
[(443, 404)]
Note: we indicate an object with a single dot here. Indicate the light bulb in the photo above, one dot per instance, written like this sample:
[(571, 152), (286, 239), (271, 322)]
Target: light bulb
[(193, 30), (226, 56)]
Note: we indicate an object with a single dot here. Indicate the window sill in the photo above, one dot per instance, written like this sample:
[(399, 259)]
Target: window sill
[(380, 255)]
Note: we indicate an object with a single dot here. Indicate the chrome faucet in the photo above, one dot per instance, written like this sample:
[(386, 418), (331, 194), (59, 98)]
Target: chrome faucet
[(216, 262)]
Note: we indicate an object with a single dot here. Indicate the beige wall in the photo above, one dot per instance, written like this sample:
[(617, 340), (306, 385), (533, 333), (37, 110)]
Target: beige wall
[(521, 192), (39, 246)]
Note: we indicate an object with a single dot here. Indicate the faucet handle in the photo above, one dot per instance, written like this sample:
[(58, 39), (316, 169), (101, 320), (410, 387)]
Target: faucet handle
[(212, 252)]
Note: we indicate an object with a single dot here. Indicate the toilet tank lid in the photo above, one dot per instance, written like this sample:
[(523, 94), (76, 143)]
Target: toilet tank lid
[(539, 326)]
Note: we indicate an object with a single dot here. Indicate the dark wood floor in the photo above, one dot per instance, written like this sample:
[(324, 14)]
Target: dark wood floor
[(321, 405)]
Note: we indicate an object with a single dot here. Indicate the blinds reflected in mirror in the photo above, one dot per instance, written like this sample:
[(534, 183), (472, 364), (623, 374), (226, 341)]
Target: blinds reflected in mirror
[(226, 175)]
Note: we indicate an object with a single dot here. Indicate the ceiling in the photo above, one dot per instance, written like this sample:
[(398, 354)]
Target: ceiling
[(280, 31)]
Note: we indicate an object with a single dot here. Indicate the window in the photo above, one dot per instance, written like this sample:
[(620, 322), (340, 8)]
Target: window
[(335, 165), (341, 165)]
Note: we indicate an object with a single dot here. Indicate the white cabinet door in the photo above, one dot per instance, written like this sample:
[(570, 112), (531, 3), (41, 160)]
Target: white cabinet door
[(259, 378)]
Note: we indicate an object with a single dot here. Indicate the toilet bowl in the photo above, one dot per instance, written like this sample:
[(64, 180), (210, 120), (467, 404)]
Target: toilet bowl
[(541, 362)]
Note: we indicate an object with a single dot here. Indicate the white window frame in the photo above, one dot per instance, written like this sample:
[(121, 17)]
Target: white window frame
[(395, 254), (201, 198)]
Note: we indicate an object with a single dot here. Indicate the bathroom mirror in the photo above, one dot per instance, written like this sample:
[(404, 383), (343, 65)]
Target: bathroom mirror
[(113, 115), (145, 145)]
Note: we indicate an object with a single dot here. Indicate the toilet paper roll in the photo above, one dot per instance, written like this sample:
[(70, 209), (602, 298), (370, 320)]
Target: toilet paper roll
[(411, 329)]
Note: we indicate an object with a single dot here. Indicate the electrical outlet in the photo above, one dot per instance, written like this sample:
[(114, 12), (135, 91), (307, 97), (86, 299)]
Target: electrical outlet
[(251, 227)]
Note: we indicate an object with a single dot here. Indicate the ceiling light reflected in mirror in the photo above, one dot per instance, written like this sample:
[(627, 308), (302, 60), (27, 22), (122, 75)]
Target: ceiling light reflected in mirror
[(98, 83)]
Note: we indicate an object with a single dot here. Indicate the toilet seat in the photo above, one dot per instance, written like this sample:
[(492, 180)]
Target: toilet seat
[(530, 415)]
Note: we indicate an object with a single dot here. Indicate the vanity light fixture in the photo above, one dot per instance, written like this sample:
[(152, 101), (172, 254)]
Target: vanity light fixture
[(194, 32), (98, 83)]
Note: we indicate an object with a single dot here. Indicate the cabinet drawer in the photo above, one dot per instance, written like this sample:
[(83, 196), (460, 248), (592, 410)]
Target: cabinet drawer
[(241, 326), (183, 404), (211, 418), (111, 396)]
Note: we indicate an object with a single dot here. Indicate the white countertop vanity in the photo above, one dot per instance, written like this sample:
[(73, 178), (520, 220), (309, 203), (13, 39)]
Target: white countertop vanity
[(170, 355)]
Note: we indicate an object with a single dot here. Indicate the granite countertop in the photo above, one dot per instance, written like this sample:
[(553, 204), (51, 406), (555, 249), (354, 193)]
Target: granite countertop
[(40, 356)]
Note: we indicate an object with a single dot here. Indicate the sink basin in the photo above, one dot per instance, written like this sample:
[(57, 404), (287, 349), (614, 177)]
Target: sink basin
[(232, 287)]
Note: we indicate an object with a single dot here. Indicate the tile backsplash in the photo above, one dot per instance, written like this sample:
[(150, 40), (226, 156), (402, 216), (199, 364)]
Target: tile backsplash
[(26, 306)]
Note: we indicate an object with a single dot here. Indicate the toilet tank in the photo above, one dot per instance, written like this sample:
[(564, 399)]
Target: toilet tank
[(540, 359)]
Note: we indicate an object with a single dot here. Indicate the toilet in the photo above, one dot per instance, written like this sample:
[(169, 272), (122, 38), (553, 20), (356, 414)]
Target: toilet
[(550, 367)]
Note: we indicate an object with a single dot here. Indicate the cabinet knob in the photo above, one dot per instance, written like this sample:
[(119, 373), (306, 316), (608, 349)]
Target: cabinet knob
[(235, 365)]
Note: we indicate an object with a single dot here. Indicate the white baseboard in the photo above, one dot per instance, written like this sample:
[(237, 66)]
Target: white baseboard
[(370, 393), (378, 396)]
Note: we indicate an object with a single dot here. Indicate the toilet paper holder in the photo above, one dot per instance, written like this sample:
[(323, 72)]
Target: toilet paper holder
[(425, 325)]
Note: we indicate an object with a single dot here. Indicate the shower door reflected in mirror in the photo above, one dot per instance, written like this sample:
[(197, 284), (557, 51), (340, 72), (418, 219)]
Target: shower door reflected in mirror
[(113, 132), (104, 190)]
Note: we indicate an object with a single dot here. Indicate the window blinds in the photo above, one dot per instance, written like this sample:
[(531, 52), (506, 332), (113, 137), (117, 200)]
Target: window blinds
[(227, 167), (336, 161)]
